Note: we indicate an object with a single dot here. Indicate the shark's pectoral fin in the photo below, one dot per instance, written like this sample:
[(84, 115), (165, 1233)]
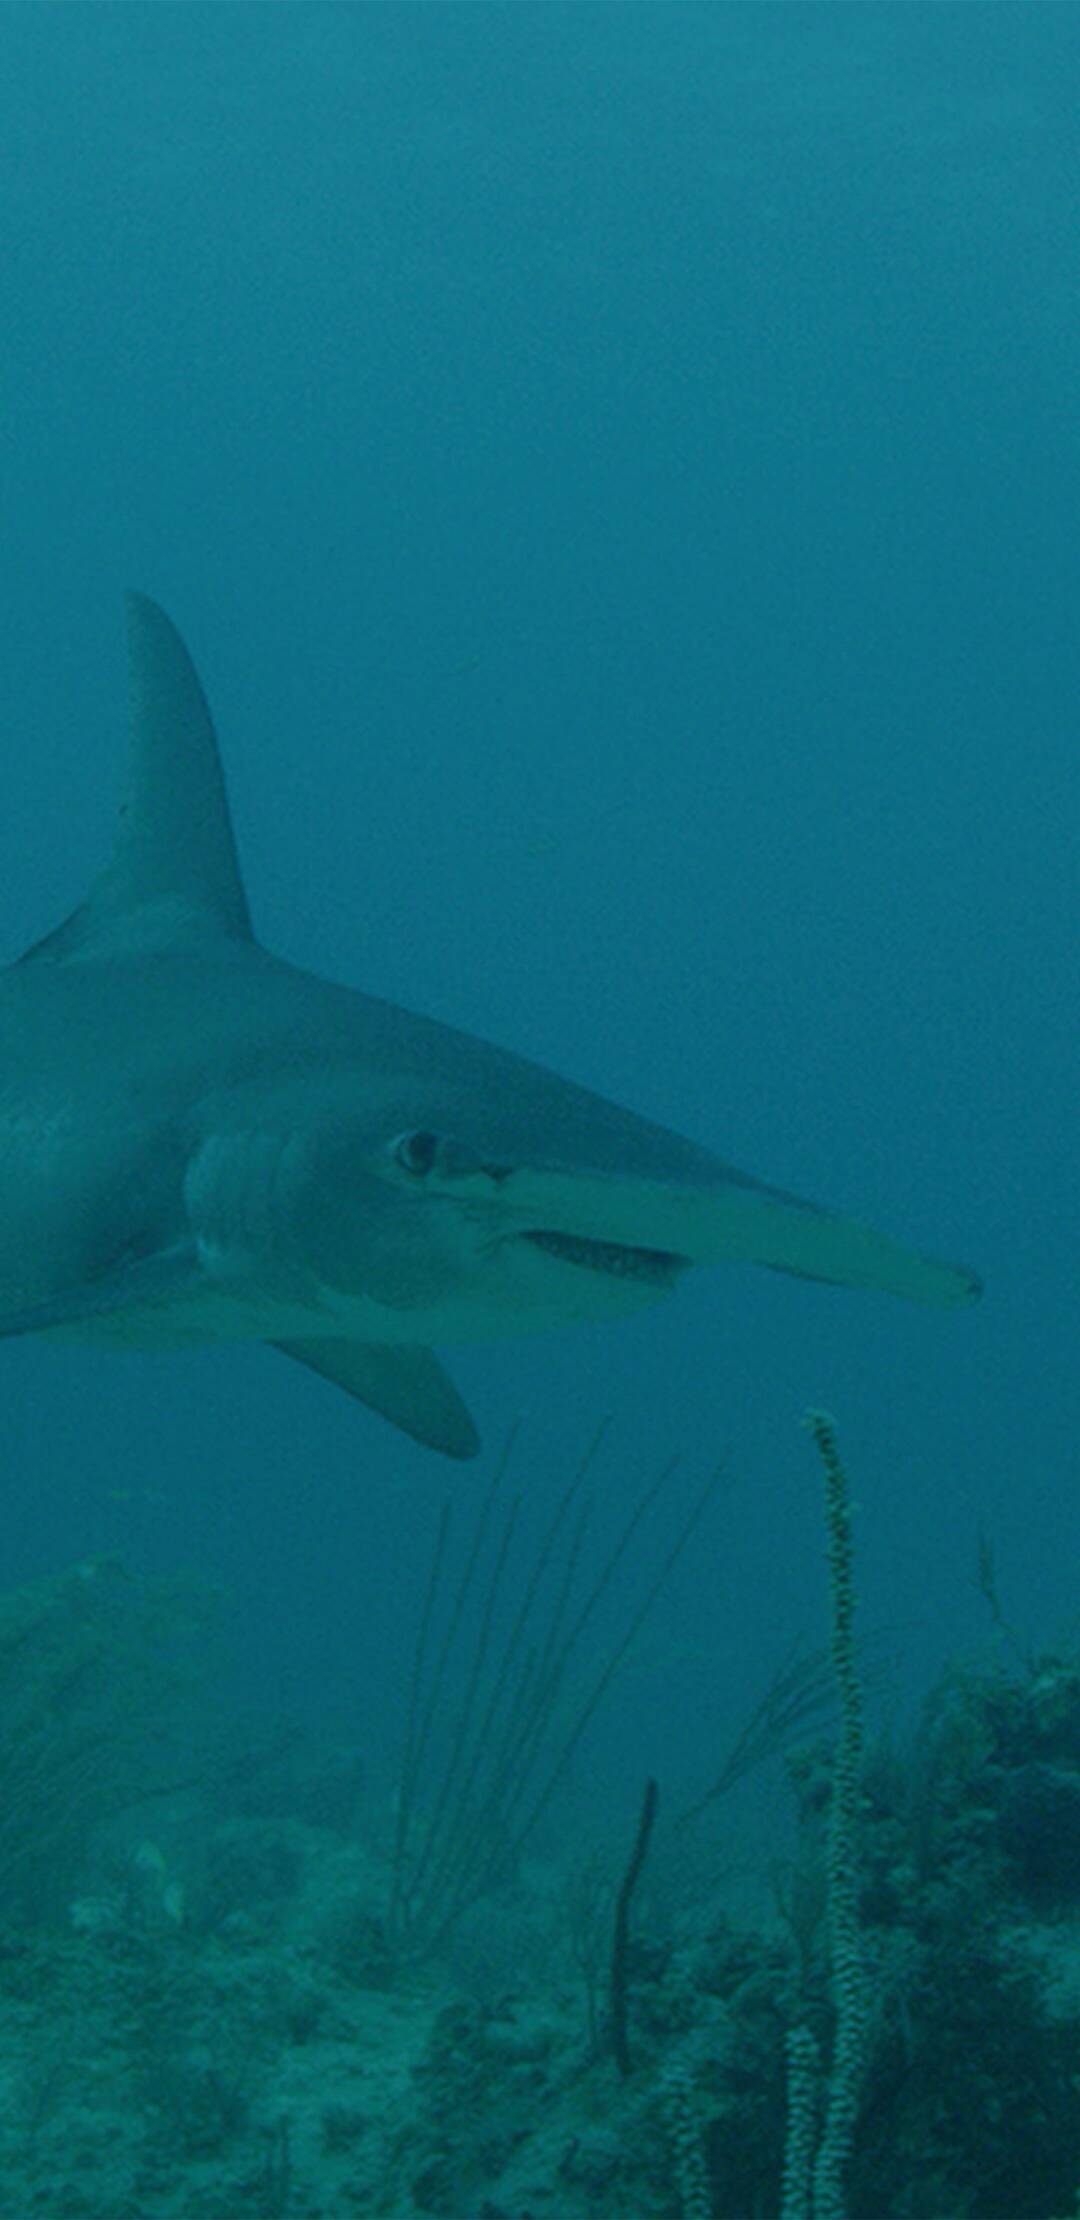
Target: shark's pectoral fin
[(134, 1283), (403, 1382)]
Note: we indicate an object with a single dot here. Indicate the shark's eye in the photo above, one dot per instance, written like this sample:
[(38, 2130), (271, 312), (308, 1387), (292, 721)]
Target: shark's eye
[(416, 1152)]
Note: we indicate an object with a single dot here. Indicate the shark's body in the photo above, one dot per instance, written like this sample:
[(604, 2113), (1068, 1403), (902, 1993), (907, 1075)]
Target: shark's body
[(200, 1142)]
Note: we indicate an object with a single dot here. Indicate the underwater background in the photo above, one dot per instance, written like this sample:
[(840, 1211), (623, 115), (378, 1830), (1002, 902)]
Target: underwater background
[(616, 469)]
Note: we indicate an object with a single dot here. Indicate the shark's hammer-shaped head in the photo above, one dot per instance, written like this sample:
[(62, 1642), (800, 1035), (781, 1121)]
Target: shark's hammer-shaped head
[(492, 1198), (200, 1142), (407, 1214)]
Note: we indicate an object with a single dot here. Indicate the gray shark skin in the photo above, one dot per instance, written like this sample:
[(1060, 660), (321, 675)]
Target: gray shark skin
[(199, 1142)]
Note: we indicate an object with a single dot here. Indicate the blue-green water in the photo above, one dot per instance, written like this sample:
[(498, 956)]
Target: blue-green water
[(617, 470)]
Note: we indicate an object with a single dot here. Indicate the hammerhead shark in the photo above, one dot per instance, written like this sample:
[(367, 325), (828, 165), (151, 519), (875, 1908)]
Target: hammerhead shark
[(201, 1142)]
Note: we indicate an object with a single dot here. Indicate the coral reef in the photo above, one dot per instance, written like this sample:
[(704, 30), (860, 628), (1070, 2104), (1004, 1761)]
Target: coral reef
[(204, 2011)]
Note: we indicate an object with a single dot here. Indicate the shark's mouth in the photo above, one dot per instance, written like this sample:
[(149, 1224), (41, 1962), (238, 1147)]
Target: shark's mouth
[(660, 1267)]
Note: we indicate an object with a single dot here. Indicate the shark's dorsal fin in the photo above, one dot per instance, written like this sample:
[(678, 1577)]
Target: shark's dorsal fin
[(173, 874)]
